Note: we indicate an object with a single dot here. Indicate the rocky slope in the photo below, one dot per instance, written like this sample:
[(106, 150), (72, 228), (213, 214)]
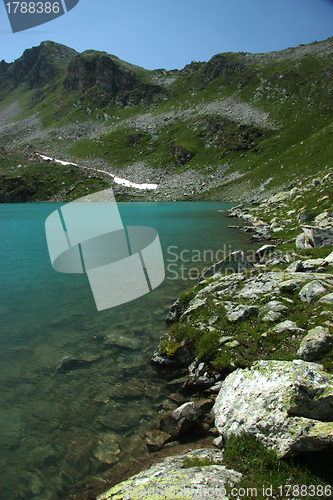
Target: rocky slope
[(237, 127)]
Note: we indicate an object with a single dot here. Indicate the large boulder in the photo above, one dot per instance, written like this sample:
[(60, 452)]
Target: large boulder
[(236, 262), (286, 405), (310, 290), (318, 237), (316, 343), (179, 477)]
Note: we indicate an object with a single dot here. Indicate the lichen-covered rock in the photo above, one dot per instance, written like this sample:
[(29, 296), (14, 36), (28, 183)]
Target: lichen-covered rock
[(302, 242), (195, 304), (272, 310), (327, 299), (296, 267), (315, 344), (223, 285), (287, 326), (170, 479), (286, 405), (310, 290), (263, 284), (240, 312)]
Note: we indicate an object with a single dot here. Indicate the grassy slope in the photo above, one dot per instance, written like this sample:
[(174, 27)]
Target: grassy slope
[(297, 94)]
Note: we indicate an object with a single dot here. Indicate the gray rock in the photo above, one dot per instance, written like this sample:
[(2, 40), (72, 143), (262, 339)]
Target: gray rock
[(223, 285), (240, 312), (274, 260), (169, 479), (318, 237), (180, 420), (329, 258), (264, 250), (286, 405), (236, 262), (195, 304), (291, 285), (312, 264), (327, 299), (264, 283), (200, 377), (287, 326), (324, 219), (302, 242), (315, 344), (272, 310), (295, 267), (310, 290), (174, 314)]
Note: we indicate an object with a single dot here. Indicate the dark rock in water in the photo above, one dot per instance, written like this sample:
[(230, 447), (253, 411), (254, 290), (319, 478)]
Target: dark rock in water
[(180, 420), (68, 364), (155, 439), (174, 314)]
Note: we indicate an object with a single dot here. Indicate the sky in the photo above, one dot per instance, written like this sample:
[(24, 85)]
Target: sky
[(171, 33)]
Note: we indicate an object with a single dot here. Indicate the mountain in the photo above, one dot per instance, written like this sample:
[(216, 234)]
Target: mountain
[(238, 127)]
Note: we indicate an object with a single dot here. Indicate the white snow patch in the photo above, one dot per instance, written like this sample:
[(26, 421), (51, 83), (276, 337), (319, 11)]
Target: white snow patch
[(117, 180)]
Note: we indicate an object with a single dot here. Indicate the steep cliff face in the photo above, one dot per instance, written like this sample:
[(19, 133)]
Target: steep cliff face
[(37, 66), (84, 71), (91, 69)]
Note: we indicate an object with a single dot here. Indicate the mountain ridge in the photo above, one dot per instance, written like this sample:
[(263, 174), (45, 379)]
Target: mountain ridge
[(246, 115)]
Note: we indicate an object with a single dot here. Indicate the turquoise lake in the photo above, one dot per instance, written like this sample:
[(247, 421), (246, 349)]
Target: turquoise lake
[(77, 387)]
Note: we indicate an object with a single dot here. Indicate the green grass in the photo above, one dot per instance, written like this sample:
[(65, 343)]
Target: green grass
[(46, 179), (261, 468)]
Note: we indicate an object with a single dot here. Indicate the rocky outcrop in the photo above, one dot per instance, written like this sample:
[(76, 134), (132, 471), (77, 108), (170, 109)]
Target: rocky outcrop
[(195, 474), (123, 86), (317, 342), (236, 262), (15, 189), (38, 65), (287, 406), (315, 237)]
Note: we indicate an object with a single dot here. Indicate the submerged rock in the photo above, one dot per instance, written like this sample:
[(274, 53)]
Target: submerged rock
[(286, 405)]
